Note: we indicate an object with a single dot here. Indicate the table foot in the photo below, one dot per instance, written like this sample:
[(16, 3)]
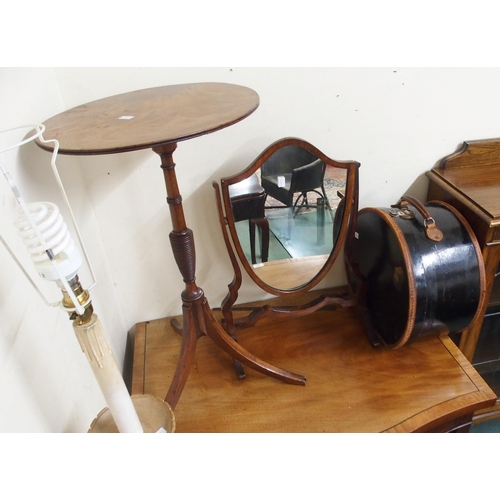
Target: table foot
[(176, 325), (188, 349), (198, 320)]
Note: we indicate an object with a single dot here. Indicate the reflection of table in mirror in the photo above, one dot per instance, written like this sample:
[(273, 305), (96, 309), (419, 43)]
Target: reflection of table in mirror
[(158, 118), (290, 273)]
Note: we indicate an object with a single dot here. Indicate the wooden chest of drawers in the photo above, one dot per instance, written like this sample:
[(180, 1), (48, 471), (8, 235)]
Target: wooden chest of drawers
[(469, 179)]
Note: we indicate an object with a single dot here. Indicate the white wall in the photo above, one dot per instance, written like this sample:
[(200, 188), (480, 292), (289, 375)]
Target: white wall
[(45, 381), (397, 122)]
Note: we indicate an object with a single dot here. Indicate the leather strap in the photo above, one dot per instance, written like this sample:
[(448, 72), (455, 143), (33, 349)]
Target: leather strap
[(431, 230)]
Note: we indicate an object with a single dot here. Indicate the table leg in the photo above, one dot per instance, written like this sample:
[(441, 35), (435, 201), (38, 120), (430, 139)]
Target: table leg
[(198, 319)]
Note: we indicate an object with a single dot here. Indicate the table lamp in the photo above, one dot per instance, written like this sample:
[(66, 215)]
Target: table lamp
[(57, 259)]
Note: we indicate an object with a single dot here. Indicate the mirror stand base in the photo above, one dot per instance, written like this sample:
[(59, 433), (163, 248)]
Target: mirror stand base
[(266, 311)]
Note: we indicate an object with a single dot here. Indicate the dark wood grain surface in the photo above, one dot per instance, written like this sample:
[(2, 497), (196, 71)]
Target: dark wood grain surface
[(149, 117), (474, 171)]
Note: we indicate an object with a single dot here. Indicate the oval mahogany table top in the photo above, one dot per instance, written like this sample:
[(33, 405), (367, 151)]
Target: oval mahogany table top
[(149, 117)]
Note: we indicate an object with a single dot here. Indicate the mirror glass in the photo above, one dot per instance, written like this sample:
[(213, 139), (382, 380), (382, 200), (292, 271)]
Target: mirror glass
[(285, 213)]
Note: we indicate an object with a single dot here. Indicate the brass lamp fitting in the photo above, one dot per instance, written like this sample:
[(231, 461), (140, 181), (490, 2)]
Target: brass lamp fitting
[(83, 298)]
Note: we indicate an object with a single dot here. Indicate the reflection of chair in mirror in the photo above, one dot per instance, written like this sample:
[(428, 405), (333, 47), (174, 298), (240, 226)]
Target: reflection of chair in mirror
[(293, 170), (247, 202), (287, 276)]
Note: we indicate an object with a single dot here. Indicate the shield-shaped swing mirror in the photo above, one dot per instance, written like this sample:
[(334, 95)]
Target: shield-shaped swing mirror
[(287, 216)]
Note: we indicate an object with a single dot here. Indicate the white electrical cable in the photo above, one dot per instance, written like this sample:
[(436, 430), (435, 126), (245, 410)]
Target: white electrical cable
[(63, 192), (40, 128)]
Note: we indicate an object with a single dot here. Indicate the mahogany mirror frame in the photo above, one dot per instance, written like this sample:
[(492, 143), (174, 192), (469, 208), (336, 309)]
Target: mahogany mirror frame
[(350, 208)]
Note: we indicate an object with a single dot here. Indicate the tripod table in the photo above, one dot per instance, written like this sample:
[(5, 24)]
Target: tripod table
[(159, 118)]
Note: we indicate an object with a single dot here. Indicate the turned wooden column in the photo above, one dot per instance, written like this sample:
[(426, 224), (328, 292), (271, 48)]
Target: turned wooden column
[(181, 237), (183, 248)]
